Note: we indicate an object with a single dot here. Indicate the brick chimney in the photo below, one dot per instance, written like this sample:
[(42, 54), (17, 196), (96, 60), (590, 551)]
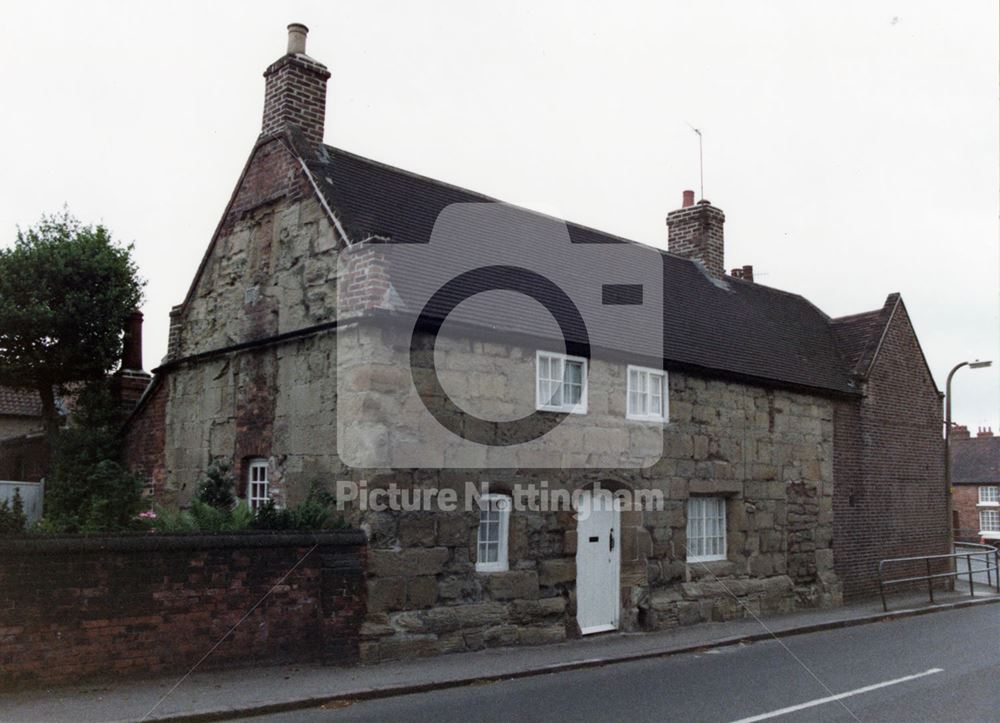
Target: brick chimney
[(130, 381), (695, 231), (960, 431), (132, 343), (295, 94), (985, 432), (746, 273)]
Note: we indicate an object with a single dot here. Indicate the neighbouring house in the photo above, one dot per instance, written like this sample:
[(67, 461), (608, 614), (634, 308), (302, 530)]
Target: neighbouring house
[(23, 448), (793, 450), (21, 439), (975, 476)]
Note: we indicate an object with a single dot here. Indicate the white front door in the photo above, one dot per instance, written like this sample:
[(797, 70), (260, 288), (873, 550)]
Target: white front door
[(598, 546)]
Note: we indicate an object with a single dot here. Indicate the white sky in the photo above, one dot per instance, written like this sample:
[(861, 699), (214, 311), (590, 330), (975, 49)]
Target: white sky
[(852, 145)]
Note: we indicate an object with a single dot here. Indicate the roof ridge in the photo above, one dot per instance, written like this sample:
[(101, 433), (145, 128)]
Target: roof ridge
[(485, 197)]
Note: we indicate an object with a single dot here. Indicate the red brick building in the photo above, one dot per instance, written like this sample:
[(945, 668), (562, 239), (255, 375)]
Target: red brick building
[(975, 476)]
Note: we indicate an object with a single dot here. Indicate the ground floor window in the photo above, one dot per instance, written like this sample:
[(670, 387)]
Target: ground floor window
[(706, 529), (258, 486), (989, 521), (491, 549)]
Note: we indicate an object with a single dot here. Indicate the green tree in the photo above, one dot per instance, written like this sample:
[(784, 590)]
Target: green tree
[(66, 290)]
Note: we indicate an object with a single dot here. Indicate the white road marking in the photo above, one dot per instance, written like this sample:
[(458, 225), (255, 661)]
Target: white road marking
[(839, 696)]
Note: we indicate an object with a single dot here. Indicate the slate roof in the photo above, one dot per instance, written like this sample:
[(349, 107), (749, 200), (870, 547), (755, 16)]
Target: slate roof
[(858, 335), (732, 326), (975, 461), (19, 402)]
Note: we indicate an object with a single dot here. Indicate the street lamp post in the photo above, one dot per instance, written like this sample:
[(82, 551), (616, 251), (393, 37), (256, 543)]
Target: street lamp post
[(947, 433)]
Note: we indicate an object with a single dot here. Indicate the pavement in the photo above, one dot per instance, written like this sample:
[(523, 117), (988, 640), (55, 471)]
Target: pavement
[(218, 695)]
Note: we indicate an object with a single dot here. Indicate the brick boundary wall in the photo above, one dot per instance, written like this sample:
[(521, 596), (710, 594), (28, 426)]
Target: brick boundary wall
[(82, 608)]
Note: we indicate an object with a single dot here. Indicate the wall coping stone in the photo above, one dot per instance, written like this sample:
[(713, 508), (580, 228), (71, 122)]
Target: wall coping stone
[(146, 541)]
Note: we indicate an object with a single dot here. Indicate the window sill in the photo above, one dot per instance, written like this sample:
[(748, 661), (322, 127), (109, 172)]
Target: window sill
[(563, 410), (490, 568), (648, 420), (990, 534), (988, 504)]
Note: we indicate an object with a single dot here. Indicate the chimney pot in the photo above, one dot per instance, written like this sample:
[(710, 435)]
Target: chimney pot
[(688, 199), (297, 39)]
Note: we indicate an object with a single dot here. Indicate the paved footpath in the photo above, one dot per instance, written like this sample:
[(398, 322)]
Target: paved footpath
[(222, 694)]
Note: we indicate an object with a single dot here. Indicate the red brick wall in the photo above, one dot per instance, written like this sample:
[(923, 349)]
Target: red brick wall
[(964, 501), (80, 608), (145, 440), (889, 465)]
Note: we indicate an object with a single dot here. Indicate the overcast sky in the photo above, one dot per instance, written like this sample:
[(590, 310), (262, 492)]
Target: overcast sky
[(852, 145)]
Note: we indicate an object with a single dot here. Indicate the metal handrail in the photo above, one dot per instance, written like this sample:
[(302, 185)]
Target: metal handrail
[(986, 552)]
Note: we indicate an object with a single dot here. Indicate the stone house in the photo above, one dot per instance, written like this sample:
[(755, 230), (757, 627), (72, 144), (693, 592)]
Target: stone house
[(779, 439), (975, 476)]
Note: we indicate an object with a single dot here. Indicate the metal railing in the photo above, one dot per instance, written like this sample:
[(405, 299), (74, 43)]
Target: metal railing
[(987, 554)]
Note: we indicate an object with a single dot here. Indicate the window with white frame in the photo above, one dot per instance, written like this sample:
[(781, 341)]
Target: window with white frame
[(258, 486), (494, 520), (706, 529), (562, 383), (647, 394), (988, 496), (989, 521)]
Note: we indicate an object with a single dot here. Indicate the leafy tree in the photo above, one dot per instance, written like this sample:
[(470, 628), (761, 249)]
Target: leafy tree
[(66, 290)]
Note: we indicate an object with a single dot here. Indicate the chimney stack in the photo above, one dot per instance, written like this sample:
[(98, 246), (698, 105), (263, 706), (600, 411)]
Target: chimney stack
[(960, 431), (746, 273), (695, 231), (295, 92), (985, 432), (132, 343)]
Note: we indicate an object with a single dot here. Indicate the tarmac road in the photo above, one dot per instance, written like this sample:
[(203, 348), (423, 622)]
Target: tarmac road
[(942, 667)]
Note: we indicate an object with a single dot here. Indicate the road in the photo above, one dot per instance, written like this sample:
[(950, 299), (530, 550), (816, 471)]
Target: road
[(940, 667)]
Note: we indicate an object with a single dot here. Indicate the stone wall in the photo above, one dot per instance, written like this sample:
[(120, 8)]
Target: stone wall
[(768, 452), (270, 268), (73, 609)]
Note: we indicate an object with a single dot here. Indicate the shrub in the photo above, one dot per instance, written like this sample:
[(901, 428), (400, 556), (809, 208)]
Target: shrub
[(12, 517), (216, 489), (315, 512), (202, 517), (87, 489)]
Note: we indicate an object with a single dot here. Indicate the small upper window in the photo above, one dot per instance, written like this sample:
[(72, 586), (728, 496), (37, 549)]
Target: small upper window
[(491, 547), (258, 486), (562, 383), (706, 529), (988, 496), (647, 394), (989, 521)]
